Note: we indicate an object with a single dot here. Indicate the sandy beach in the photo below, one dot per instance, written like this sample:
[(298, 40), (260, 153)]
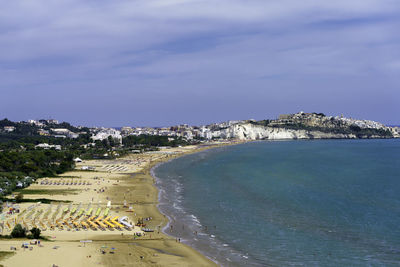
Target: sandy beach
[(128, 187)]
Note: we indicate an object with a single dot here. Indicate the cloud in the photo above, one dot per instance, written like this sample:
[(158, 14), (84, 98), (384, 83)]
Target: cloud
[(224, 49)]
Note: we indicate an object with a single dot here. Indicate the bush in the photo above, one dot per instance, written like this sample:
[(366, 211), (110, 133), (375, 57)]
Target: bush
[(18, 231), (35, 233), (19, 198)]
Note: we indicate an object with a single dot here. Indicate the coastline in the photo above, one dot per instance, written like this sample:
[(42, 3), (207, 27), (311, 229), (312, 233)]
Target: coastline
[(170, 220), (134, 185), (186, 226)]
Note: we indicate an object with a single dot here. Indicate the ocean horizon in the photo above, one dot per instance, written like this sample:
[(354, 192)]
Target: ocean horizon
[(287, 203)]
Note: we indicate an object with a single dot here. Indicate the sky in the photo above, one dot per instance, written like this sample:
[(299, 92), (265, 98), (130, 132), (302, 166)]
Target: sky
[(167, 62)]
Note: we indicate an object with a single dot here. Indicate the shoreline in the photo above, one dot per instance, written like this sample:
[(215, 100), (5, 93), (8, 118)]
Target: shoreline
[(169, 219), (149, 170), (202, 241), (127, 179)]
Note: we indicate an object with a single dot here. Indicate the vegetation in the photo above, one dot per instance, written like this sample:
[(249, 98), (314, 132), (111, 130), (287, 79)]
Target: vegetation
[(19, 198), (36, 163), (20, 168), (151, 141), (22, 162), (27, 129), (35, 233), (42, 200), (47, 191), (18, 231), (262, 123)]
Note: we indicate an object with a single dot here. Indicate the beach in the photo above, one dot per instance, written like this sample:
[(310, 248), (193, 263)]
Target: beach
[(124, 186)]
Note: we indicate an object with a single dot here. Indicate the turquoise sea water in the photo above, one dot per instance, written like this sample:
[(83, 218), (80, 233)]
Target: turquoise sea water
[(288, 203)]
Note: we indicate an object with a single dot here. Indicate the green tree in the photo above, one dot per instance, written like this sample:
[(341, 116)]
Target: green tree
[(19, 198), (18, 231), (35, 232)]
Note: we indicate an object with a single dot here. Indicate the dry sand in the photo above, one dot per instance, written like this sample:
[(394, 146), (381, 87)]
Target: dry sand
[(123, 180)]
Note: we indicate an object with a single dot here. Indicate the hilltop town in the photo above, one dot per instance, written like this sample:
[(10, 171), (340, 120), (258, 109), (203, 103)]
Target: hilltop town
[(291, 126)]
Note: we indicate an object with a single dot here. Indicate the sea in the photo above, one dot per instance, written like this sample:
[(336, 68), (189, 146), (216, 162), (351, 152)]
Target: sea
[(287, 203)]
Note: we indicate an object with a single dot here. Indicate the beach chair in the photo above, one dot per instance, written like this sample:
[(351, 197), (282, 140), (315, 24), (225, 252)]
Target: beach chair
[(89, 212), (92, 224), (73, 210), (85, 225), (60, 225), (101, 225), (106, 212), (80, 213), (67, 224), (118, 224), (76, 224), (98, 212), (109, 224)]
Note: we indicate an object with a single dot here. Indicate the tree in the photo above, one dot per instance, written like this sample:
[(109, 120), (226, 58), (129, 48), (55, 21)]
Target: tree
[(18, 231), (19, 198), (35, 232), (111, 141)]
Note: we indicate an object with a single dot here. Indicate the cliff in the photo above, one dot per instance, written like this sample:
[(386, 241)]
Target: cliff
[(305, 126)]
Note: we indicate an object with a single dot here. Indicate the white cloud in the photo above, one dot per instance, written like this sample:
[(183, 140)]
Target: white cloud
[(206, 45)]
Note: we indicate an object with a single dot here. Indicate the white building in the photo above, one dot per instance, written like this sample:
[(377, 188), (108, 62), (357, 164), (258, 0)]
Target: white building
[(9, 129), (35, 122), (104, 133), (52, 121), (61, 131), (47, 146)]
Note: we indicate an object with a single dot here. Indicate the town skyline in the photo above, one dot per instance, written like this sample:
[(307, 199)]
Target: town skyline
[(300, 125), (52, 118)]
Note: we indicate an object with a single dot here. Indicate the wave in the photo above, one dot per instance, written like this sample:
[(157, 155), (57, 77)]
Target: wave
[(186, 226)]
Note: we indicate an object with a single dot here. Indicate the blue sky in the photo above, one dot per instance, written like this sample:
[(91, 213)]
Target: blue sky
[(166, 62)]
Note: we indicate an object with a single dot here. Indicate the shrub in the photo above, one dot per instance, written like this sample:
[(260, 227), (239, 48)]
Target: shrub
[(35, 232), (19, 198), (18, 231)]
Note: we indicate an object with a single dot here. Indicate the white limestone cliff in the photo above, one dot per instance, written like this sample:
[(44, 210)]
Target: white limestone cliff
[(248, 131)]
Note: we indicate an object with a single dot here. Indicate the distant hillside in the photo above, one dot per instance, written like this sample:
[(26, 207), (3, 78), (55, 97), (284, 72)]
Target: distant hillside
[(305, 126)]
